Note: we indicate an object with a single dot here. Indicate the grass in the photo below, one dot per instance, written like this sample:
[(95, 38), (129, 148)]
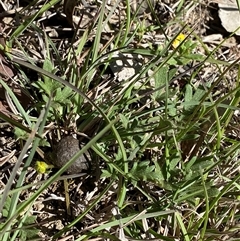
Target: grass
[(164, 140)]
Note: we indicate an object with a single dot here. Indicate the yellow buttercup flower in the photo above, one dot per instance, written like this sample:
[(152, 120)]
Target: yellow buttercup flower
[(178, 40), (41, 167)]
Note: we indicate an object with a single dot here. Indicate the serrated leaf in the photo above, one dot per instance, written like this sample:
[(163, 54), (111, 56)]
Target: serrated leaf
[(30, 220), (48, 66), (48, 86), (20, 134), (172, 61), (23, 235), (6, 207), (26, 234), (62, 95), (44, 142), (105, 174), (142, 171)]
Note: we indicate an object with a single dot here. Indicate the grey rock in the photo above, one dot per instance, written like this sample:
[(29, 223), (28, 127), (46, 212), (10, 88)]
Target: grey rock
[(64, 151), (230, 16)]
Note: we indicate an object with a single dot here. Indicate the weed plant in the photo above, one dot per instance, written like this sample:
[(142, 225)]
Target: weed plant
[(165, 138)]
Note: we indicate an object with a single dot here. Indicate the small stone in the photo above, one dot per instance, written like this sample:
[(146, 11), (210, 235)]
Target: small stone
[(64, 151), (230, 16)]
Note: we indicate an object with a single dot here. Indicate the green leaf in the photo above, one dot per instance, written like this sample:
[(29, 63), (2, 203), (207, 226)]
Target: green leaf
[(161, 78), (172, 61), (202, 164), (62, 95), (142, 171), (20, 134), (125, 120), (6, 207), (27, 234), (190, 163), (188, 96), (30, 220), (188, 92), (49, 86), (173, 163), (106, 174), (172, 111), (48, 66), (199, 93), (192, 57), (213, 192)]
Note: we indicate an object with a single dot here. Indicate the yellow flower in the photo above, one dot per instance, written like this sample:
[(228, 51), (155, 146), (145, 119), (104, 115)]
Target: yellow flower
[(178, 40), (41, 167)]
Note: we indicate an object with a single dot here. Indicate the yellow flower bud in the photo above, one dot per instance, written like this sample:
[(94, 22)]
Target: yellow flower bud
[(178, 40), (41, 167)]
